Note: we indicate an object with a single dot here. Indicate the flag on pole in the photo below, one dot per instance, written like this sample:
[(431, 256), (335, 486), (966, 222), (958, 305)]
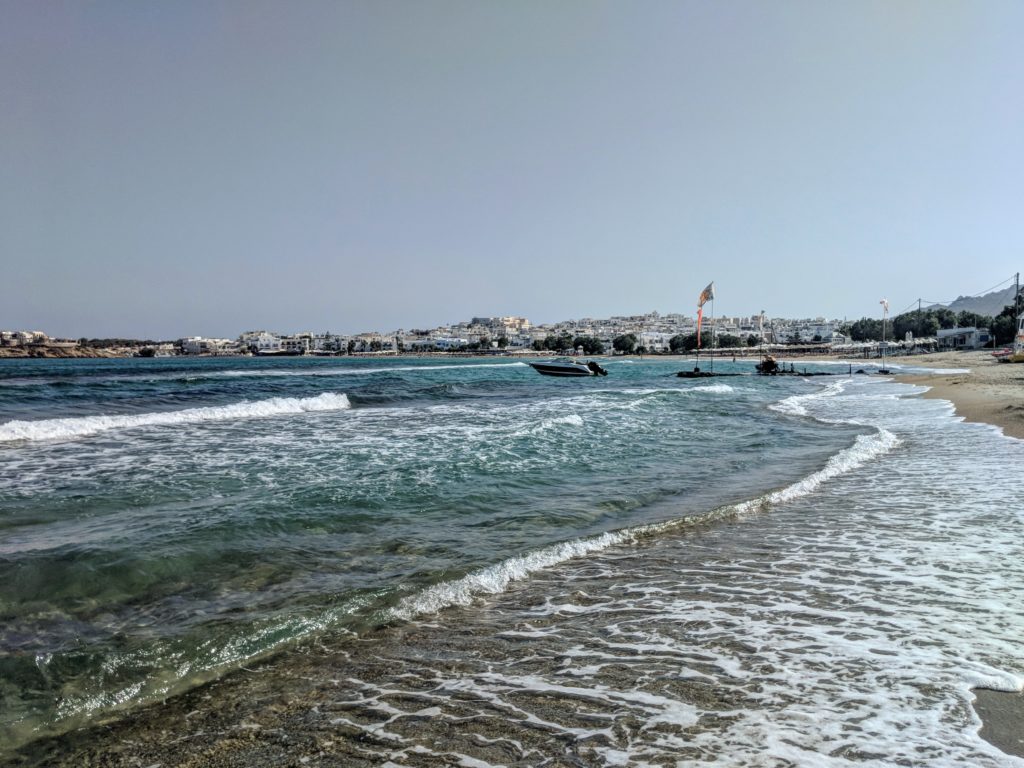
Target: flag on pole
[(885, 305), (700, 316), (708, 294)]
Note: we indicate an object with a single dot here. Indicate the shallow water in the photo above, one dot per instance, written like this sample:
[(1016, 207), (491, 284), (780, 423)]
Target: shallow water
[(640, 567)]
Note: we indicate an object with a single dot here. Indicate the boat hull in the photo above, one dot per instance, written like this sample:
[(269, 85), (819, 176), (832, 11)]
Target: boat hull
[(553, 369), (568, 368)]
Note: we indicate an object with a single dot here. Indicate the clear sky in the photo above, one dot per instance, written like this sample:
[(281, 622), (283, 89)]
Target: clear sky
[(202, 167)]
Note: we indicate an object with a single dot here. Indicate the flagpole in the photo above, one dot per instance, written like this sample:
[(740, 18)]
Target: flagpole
[(696, 364), (708, 294), (712, 334), (885, 314)]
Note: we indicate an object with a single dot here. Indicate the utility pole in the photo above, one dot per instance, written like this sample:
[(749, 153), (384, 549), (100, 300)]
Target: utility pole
[(918, 318)]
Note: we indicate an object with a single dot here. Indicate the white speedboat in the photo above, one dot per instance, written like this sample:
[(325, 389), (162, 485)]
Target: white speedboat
[(565, 366)]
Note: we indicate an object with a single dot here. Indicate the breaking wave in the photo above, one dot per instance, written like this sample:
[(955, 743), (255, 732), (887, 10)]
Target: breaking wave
[(718, 389), (571, 420), (496, 578), (70, 428), (353, 371)]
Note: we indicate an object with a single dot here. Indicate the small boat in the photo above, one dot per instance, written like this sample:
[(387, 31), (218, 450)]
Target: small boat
[(565, 366)]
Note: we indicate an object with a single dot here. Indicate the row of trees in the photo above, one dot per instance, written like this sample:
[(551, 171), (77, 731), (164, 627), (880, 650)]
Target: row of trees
[(929, 321), (107, 343), (629, 344), (566, 341)]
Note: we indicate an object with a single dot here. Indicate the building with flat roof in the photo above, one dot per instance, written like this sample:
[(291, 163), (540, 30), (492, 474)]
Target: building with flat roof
[(963, 338)]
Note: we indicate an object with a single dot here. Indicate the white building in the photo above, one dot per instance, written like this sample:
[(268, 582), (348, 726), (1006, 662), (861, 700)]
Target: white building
[(655, 341), (197, 345), (963, 338), (260, 341)]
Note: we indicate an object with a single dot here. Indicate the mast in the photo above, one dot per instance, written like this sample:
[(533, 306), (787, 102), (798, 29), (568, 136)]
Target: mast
[(885, 314), (708, 294), (712, 332), (760, 330), (1018, 340), (918, 319)]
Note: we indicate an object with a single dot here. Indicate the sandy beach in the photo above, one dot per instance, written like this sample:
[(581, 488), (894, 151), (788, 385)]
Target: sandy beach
[(990, 392)]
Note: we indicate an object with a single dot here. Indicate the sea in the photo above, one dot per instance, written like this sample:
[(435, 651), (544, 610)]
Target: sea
[(511, 569)]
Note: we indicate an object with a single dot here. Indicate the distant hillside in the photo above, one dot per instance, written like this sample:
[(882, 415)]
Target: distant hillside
[(989, 304)]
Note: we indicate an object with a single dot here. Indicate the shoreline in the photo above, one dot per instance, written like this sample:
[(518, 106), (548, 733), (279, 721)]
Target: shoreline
[(1001, 714), (244, 718), (988, 393)]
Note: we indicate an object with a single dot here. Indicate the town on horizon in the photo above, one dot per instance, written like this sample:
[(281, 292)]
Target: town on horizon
[(651, 333)]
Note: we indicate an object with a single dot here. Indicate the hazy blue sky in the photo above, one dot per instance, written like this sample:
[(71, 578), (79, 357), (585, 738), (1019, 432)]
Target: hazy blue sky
[(174, 168)]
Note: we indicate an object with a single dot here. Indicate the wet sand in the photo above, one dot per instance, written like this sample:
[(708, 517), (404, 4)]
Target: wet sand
[(991, 393), (1002, 718)]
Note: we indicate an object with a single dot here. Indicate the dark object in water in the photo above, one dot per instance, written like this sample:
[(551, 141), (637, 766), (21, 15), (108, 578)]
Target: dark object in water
[(770, 367), (697, 373), (567, 367)]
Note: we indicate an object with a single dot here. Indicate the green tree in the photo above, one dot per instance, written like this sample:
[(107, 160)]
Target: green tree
[(590, 344), (866, 329), (690, 341), (626, 343), (973, 320), (946, 317), (1004, 325), (560, 343), (677, 343), (502, 342)]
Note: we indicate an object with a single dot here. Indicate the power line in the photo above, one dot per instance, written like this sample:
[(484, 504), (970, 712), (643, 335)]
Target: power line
[(1000, 284), (1008, 280)]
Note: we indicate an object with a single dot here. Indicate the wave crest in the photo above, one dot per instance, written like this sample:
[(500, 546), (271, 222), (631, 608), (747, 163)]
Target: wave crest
[(83, 426), (496, 578)]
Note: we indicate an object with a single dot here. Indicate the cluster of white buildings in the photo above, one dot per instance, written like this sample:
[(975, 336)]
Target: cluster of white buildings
[(653, 331), (32, 339)]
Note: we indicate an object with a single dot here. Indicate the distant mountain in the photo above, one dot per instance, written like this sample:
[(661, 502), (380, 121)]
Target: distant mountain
[(989, 304)]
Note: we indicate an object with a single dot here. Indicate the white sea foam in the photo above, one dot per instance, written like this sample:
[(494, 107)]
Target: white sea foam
[(844, 630), (352, 371), (570, 420), (718, 389), (70, 428), (864, 449), (496, 578), (797, 404)]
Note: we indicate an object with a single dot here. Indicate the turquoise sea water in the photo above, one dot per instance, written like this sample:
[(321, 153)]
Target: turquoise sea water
[(163, 522)]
